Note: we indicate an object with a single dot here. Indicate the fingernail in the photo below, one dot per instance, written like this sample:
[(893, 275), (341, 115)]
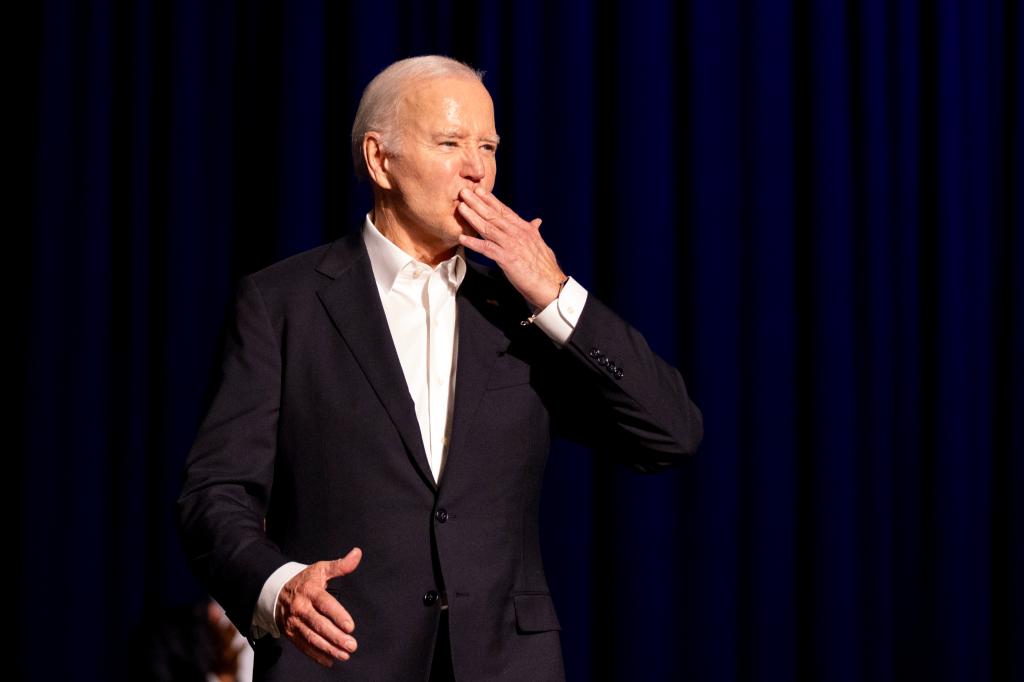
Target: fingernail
[(348, 625)]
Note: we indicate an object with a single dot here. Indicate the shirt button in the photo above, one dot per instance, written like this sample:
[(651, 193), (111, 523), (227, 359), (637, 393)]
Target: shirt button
[(430, 598), (570, 309)]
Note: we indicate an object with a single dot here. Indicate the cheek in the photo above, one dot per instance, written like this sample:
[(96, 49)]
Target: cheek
[(438, 181), (492, 172)]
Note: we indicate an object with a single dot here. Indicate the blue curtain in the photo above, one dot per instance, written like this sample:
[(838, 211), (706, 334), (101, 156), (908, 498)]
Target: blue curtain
[(812, 207)]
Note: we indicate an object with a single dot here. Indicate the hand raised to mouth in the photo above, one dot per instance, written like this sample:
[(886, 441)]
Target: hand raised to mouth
[(514, 244)]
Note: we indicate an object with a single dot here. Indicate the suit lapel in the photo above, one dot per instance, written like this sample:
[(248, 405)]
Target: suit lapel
[(354, 306), (481, 341)]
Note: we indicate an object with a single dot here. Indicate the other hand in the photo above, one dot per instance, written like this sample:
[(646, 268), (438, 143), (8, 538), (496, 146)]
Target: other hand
[(314, 620), (514, 244)]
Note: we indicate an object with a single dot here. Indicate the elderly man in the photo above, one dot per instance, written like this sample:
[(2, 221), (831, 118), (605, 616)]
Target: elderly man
[(386, 401)]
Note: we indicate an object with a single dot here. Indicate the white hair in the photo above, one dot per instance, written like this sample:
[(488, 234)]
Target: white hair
[(378, 107)]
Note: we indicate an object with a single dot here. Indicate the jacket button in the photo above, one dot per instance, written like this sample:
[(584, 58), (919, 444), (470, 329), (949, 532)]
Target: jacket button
[(441, 515), (595, 353), (618, 373), (603, 361), (430, 598)]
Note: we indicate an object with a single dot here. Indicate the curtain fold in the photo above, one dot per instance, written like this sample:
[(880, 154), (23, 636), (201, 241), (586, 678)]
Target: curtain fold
[(813, 208)]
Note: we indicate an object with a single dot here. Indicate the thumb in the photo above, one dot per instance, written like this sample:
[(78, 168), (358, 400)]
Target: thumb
[(344, 565)]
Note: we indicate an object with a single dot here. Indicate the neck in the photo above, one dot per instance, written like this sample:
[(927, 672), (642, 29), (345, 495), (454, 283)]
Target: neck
[(414, 242)]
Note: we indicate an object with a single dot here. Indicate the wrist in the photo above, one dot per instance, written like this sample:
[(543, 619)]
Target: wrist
[(539, 308), (558, 292)]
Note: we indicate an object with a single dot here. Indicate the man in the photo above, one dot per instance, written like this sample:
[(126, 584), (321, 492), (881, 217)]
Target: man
[(388, 402)]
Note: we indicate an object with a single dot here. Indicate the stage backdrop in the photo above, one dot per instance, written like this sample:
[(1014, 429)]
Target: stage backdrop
[(813, 207)]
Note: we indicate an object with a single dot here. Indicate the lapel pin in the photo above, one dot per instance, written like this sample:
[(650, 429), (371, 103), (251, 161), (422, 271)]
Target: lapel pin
[(491, 301)]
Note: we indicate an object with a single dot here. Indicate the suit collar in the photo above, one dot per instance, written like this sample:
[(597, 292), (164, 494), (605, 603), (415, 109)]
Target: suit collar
[(488, 312), (342, 254), (388, 260), (353, 304)]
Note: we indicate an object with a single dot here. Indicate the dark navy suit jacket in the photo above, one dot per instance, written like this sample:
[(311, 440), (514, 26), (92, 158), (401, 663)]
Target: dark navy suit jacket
[(311, 447)]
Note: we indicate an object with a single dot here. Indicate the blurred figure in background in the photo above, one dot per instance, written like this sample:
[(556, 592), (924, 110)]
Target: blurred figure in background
[(191, 643)]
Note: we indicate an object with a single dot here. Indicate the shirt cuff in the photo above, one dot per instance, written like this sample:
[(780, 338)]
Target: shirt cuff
[(559, 318), (264, 620)]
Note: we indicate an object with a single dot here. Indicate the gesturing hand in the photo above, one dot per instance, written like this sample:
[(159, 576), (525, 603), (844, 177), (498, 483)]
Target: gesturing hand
[(313, 619), (514, 244)]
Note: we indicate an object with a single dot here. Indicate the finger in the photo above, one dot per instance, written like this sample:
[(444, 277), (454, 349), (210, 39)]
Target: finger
[(323, 626), (484, 227), (481, 246), (492, 210), (316, 647), (477, 203), (495, 204), (300, 636), (322, 634), (332, 609), (344, 565), (505, 216), (322, 659)]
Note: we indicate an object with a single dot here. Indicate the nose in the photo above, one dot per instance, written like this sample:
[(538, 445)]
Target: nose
[(473, 165)]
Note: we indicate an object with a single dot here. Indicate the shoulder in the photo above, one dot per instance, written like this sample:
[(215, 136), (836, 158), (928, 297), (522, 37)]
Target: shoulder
[(307, 271), (290, 272)]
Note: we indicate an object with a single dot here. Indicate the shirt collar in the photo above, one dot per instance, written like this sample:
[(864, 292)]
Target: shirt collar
[(388, 260)]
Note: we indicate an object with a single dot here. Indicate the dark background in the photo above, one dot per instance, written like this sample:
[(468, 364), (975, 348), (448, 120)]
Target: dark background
[(812, 207)]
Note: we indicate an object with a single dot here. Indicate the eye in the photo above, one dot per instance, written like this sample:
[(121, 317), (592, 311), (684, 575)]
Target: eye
[(490, 148), (449, 143)]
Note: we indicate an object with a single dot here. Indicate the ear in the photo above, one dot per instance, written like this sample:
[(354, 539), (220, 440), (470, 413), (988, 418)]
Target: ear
[(376, 159)]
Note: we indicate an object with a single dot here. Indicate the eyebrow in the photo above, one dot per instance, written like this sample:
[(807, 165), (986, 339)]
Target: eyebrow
[(459, 135)]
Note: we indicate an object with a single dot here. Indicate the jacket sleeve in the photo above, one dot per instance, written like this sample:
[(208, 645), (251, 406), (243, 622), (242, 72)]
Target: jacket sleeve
[(615, 394), (229, 471)]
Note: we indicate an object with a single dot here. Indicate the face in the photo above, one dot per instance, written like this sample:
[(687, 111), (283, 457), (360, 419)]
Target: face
[(446, 141)]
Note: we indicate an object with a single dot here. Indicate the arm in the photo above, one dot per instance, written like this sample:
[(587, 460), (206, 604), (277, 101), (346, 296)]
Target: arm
[(609, 388), (228, 481), (611, 391), (229, 471)]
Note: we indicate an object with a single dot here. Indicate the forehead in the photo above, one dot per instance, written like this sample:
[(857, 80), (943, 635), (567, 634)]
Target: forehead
[(449, 103)]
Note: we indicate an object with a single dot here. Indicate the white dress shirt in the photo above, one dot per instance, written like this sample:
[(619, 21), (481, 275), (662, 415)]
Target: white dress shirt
[(419, 304), (420, 307)]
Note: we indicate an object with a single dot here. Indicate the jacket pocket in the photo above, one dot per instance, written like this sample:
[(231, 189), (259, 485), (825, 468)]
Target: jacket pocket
[(535, 613)]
